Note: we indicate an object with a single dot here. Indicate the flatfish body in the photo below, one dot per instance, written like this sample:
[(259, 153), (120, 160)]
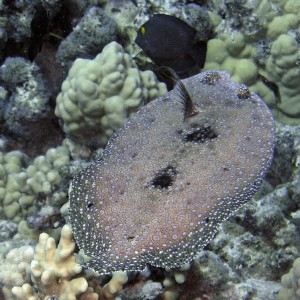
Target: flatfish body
[(165, 183)]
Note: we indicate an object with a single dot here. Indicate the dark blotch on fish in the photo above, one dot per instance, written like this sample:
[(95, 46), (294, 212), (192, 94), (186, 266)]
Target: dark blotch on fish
[(171, 42), (164, 178), (200, 134), (39, 28)]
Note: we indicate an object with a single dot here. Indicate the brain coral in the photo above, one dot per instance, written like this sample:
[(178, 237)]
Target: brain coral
[(165, 183), (98, 95)]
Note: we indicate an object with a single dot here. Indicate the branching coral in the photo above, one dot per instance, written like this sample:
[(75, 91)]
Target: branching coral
[(54, 269), (55, 273)]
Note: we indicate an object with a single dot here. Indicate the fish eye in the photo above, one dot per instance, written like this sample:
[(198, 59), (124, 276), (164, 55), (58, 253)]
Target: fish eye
[(143, 30), (90, 204)]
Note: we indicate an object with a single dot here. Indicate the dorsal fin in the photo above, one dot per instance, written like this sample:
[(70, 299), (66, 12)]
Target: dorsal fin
[(189, 108)]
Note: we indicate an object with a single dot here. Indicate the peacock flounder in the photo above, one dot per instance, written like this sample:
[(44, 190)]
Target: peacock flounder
[(166, 181)]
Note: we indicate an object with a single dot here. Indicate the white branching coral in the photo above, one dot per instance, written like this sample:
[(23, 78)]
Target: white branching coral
[(115, 285), (56, 275), (53, 270)]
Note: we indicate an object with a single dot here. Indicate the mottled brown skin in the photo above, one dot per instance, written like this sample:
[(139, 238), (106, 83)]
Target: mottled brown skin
[(165, 183)]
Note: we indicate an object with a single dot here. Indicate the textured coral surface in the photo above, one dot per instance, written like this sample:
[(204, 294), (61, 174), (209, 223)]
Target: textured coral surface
[(257, 42), (99, 95)]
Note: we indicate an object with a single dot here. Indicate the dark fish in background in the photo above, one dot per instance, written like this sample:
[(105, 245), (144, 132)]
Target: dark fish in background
[(39, 28), (272, 86), (170, 42)]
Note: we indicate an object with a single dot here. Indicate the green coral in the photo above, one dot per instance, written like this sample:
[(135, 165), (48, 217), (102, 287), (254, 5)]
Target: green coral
[(15, 268), (99, 95), (283, 67), (23, 182), (291, 283), (271, 49)]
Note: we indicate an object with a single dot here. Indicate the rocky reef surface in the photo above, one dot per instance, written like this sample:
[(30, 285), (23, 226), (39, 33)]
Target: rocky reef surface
[(70, 76)]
